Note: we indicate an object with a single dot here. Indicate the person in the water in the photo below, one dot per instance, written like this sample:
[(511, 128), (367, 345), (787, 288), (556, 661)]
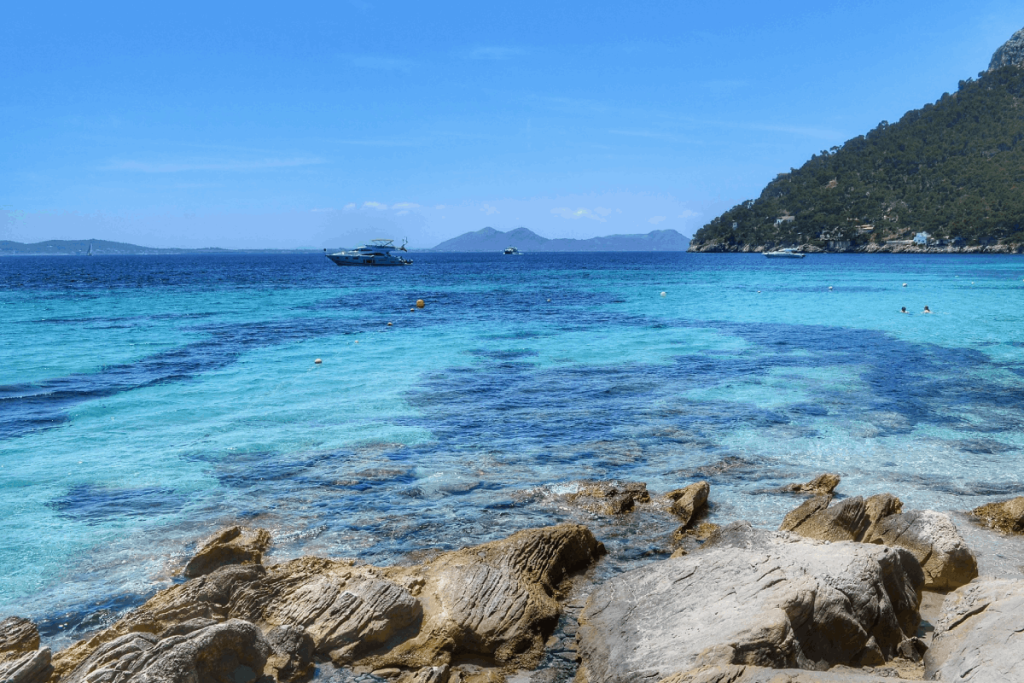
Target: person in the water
[(903, 309), (926, 310)]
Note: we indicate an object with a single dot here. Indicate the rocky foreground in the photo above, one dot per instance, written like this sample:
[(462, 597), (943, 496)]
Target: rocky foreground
[(835, 595)]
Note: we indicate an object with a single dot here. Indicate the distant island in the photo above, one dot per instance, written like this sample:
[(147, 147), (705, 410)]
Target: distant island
[(489, 239), (946, 178), (105, 247)]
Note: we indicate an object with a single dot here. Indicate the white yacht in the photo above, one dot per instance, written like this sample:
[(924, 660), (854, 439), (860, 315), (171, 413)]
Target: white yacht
[(376, 253), (784, 253), (511, 251)]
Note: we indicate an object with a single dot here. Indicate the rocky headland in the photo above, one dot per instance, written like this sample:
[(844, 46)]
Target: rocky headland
[(848, 589)]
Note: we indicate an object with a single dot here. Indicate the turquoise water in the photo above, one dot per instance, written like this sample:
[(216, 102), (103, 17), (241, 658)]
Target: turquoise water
[(144, 401)]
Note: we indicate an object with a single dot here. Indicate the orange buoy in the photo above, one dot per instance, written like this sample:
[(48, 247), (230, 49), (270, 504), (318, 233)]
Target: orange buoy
[(419, 303)]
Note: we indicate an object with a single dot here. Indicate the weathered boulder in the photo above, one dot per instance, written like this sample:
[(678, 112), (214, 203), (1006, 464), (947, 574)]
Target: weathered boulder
[(822, 484), (688, 502), (848, 520), (230, 546), (931, 536), (752, 598), (30, 667), (230, 652), (17, 637), (980, 635), (610, 497), (291, 657), (1006, 516)]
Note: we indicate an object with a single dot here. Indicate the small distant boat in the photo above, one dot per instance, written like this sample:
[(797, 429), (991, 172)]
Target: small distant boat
[(784, 253), (376, 253), (89, 253), (511, 251)]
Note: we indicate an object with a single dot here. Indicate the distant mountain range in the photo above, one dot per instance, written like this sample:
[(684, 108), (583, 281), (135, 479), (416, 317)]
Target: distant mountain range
[(104, 247), (526, 240)]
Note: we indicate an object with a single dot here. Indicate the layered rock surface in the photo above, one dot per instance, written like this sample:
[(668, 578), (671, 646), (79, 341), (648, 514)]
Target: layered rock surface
[(980, 635), (1006, 516), (931, 536), (1011, 53), (495, 600), (752, 598), (21, 660)]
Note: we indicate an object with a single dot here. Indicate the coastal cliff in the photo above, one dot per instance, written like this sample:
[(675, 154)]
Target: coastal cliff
[(945, 178)]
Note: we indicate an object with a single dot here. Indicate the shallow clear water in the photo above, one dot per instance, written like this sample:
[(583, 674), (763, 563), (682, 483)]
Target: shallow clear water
[(144, 401)]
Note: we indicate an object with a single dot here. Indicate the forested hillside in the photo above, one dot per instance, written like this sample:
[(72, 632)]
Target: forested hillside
[(954, 169)]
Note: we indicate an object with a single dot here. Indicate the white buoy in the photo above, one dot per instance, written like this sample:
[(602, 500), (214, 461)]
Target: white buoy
[(389, 324), (830, 288), (318, 361), (664, 294), (904, 284)]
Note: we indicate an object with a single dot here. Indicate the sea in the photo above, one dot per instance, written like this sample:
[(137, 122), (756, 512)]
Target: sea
[(146, 401)]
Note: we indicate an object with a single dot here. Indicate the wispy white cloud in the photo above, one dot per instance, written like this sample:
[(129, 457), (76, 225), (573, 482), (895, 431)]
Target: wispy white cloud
[(405, 205), (208, 165), (654, 220), (495, 52), (570, 214), (439, 207), (350, 206), (488, 209), (374, 205), (321, 210), (688, 213)]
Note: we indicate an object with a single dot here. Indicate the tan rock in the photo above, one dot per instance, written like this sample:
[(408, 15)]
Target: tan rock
[(1006, 516), (30, 667), (494, 600), (689, 502), (822, 484), (930, 536), (230, 546), (17, 637)]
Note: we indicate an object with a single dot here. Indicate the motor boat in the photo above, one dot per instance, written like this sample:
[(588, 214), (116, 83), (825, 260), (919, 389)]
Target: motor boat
[(784, 253), (511, 251), (376, 253)]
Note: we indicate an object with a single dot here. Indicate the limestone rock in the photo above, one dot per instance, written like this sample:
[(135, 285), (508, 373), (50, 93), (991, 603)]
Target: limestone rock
[(794, 518), (930, 536), (610, 498), (17, 637), (933, 538), (495, 600), (1011, 53), (428, 674), (688, 502), (230, 546), (822, 484), (344, 618), (849, 520), (292, 651), (31, 667), (755, 674), (1006, 516), (980, 635), (752, 598), (230, 652)]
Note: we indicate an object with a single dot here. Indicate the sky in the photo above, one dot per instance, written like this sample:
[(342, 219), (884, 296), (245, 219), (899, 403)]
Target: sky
[(324, 125)]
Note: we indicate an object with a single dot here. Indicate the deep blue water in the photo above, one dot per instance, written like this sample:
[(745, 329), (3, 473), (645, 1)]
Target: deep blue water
[(146, 400)]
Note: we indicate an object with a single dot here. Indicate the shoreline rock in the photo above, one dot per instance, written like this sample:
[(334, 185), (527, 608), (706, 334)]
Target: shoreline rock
[(496, 601), (752, 597), (932, 537), (1006, 516)]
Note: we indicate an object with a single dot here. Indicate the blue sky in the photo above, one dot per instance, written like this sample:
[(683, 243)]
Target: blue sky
[(323, 125)]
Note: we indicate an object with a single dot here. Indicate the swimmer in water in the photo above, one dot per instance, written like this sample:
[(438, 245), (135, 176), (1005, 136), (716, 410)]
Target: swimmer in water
[(927, 310), (903, 309)]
